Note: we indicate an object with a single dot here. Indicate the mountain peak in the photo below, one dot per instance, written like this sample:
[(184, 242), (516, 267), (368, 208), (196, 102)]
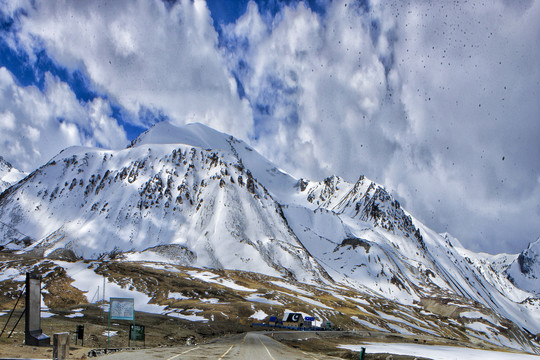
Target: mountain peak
[(194, 134), (525, 270)]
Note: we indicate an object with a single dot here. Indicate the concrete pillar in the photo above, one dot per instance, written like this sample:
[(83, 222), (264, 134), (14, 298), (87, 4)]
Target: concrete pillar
[(61, 346), (32, 331)]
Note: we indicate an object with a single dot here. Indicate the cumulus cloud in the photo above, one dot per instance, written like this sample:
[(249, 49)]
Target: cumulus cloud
[(312, 81), (149, 56), (36, 125), (436, 101), (470, 87)]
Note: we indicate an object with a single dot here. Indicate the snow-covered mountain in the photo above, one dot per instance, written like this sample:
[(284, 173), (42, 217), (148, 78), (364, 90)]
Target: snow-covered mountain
[(194, 196), (8, 174), (204, 205), (524, 271)]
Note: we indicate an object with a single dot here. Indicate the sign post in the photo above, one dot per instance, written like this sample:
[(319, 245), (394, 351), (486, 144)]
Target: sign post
[(136, 332), (120, 309), (80, 334)]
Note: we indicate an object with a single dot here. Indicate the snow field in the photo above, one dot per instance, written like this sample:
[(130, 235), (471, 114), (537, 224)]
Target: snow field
[(438, 352)]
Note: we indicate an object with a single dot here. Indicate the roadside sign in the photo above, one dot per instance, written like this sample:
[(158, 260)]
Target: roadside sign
[(80, 332), (136, 332), (122, 309)]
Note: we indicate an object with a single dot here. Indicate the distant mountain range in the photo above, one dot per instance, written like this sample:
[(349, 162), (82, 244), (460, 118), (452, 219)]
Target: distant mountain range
[(194, 196)]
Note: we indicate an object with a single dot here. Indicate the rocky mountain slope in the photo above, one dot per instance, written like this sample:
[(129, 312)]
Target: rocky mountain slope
[(192, 196)]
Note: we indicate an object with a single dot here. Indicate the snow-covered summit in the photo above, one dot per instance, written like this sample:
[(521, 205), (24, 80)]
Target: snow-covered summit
[(8, 174), (195, 134), (279, 183), (525, 270)]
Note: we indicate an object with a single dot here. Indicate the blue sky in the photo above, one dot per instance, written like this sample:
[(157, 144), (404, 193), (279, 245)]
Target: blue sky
[(436, 101)]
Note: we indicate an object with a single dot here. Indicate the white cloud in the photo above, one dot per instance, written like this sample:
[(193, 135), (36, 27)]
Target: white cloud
[(316, 79), (36, 125), (145, 55), (469, 76), (426, 98)]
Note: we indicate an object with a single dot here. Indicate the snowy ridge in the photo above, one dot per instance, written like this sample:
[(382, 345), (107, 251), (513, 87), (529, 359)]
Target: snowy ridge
[(8, 174), (109, 202), (193, 196), (524, 271)]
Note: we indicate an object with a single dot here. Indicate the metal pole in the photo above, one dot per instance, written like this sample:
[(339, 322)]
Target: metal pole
[(133, 334), (12, 310), (362, 353), (17, 323), (108, 329)]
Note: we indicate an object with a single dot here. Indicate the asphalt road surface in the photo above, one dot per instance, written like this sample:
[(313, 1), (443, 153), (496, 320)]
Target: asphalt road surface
[(248, 346)]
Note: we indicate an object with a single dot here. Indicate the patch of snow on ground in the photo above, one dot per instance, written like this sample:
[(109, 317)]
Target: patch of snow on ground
[(438, 352), (190, 317), (358, 300), (314, 302), (259, 315), (12, 274), (46, 314), (456, 304), (480, 327), (368, 324), (109, 333), (291, 287), (178, 296), (75, 315), (211, 301), (207, 276), (478, 315), (161, 266), (399, 329), (260, 299)]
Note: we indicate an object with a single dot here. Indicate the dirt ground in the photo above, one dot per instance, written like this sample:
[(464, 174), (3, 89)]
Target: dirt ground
[(159, 330), (14, 349)]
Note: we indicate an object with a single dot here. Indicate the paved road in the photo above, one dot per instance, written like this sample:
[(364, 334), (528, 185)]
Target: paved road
[(248, 346)]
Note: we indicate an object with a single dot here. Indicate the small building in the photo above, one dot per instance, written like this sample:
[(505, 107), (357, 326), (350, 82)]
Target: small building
[(328, 325), (294, 320), (275, 321), (309, 321)]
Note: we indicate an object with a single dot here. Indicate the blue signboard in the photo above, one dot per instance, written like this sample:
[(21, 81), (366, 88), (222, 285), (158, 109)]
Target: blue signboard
[(309, 318)]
